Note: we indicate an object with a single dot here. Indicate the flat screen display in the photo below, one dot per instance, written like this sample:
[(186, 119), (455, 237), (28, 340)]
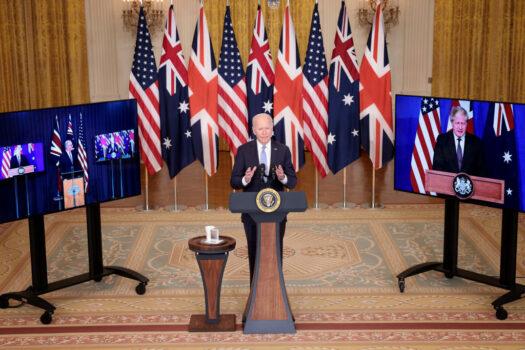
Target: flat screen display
[(57, 144), (115, 145), (483, 139), (21, 159)]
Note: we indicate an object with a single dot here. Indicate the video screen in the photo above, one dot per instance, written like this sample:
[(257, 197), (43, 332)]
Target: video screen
[(22, 159), (49, 163), (115, 145), (469, 149)]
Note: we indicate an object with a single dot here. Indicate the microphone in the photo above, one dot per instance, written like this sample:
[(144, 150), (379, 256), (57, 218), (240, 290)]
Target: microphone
[(272, 174), (261, 169)]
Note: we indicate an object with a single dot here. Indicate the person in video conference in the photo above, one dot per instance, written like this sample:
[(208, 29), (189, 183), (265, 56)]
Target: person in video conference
[(69, 162), (457, 151), (259, 164), (18, 160)]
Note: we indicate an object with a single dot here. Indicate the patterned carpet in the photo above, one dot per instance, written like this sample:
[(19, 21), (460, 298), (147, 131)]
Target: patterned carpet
[(340, 268)]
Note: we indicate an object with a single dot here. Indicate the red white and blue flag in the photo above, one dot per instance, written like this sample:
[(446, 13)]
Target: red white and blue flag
[(6, 162), (260, 75), (315, 96), (377, 127), (56, 152), (69, 130), (82, 155), (428, 129), (232, 108), (288, 121), (144, 87), (343, 139), (177, 145), (203, 85)]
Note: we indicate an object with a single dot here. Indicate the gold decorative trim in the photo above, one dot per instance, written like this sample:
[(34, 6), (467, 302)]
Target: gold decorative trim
[(268, 200)]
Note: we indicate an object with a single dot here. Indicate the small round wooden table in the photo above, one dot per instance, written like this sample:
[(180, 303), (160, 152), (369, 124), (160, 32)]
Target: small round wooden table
[(212, 261)]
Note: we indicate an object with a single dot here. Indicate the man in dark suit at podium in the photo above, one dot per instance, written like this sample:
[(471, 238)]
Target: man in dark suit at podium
[(457, 151), (18, 160), (69, 161), (259, 164)]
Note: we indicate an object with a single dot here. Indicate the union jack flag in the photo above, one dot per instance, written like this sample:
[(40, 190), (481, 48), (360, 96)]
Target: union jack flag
[(177, 148), (288, 119), (377, 128), (202, 74), (233, 109), (81, 155), (428, 130), (259, 72), (6, 162), (144, 87), (343, 102), (56, 153), (467, 106), (315, 96)]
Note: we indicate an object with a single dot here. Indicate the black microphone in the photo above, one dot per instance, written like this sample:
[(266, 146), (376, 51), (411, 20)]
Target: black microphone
[(272, 174)]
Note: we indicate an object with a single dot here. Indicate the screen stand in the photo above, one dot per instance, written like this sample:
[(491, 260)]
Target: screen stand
[(39, 279), (507, 276), (112, 180)]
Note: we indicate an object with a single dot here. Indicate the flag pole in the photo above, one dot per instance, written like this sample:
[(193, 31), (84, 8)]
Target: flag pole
[(373, 204), (206, 205), (344, 189), (175, 208), (316, 205), (146, 197)]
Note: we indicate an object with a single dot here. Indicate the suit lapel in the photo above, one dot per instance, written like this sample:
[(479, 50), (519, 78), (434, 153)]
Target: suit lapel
[(453, 151)]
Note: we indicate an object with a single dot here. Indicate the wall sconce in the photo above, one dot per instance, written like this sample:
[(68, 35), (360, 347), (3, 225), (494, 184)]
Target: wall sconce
[(153, 10), (390, 13)]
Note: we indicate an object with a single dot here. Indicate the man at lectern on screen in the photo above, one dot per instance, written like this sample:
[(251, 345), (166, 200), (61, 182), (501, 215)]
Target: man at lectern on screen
[(18, 160), (259, 164), (457, 151), (69, 163)]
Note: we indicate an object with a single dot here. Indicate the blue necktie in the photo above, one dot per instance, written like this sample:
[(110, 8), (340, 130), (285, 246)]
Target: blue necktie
[(264, 159)]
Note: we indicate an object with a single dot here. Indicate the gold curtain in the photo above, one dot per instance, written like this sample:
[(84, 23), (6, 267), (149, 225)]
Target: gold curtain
[(479, 49), (43, 54)]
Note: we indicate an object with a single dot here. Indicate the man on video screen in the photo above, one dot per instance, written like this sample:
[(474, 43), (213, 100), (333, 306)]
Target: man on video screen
[(260, 164), (18, 160), (457, 151)]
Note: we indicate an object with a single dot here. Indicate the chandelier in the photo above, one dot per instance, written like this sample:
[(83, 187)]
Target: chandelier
[(390, 13), (273, 4), (153, 10)]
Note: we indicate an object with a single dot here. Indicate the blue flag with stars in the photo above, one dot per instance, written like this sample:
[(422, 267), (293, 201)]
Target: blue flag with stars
[(177, 146), (499, 138), (343, 98)]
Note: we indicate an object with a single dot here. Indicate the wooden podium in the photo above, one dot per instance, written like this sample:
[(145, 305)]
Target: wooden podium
[(268, 309), (490, 190)]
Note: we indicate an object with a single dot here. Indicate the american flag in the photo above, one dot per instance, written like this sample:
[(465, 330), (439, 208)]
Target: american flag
[(56, 153), (467, 105), (315, 96), (6, 162), (377, 128), (233, 109), (177, 143), (429, 128), (259, 72), (82, 156), (343, 102), (202, 74), (69, 129), (288, 119), (144, 87)]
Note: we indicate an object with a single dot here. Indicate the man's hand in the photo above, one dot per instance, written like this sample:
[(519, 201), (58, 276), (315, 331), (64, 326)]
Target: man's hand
[(279, 172), (249, 174)]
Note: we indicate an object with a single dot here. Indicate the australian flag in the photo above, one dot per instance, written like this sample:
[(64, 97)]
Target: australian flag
[(343, 98), (259, 73), (499, 138), (177, 146)]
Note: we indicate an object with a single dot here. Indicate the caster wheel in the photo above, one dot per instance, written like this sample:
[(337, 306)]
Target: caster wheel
[(449, 275), (401, 284), (140, 288), (501, 313), (46, 318), (4, 303)]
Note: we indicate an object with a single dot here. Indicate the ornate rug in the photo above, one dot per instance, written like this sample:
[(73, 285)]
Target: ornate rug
[(339, 265)]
